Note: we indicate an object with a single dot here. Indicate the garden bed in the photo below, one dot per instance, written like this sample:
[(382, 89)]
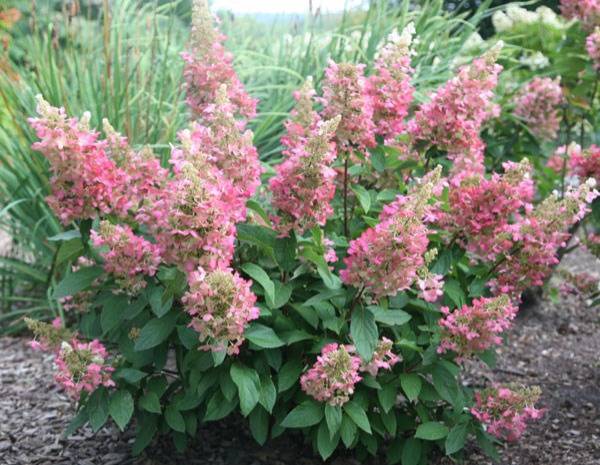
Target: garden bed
[(553, 345)]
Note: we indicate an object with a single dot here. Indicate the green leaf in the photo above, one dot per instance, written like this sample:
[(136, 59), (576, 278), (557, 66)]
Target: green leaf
[(78, 281), (389, 317), (454, 291), (263, 336), (150, 402), (446, 385), (261, 277), (77, 422), (333, 417), (218, 407), (288, 375), (431, 431), (268, 393), (98, 408), (121, 408), (113, 310), (364, 333), (326, 443), (69, 250), (248, 384), (306, 414), (456, 438), (174, 419), (411, 385), (411, 452), (363, 197), (131, 375), (348, 431), (160, 302), (283, 292), (156, 331), (147, 427), (358, 416), (259, 425), (387, 396)]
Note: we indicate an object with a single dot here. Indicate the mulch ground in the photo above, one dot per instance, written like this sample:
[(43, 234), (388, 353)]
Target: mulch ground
[(554, 345)]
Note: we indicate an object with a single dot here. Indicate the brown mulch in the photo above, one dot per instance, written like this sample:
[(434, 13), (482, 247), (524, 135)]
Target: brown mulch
[(555, 345)]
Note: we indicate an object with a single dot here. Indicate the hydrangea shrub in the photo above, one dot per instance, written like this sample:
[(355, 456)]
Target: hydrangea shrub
[(338, 296)]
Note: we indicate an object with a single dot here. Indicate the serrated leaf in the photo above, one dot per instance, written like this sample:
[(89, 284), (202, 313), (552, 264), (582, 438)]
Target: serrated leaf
[(156, 331), (364, 333), (411, 452), (387, 396), (145, 432), (77, 281), (333, 418), (306, 414), (391, 317), (121, 408), (263, 336), (326, 444), (248, 385), (261, 277), (411, 385), (363, 197), (113, 310), (174, 419), (431, 431), (358, 416), (259, 425), (150, 402), (456, 438)]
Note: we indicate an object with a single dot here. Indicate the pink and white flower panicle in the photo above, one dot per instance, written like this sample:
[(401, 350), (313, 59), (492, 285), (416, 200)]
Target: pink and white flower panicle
[(538, 105), (304, 184), (333, 376), (385, 259), (506, 410), (208, 65), (221, 305), (346, 93), (82, 367), (128, 257), (477, 327), (383, 358)]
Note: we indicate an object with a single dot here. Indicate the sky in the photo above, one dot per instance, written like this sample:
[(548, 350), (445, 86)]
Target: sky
[(281, 6)]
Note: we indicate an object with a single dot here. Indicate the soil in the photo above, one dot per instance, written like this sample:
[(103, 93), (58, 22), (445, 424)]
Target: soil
[(554, 345)]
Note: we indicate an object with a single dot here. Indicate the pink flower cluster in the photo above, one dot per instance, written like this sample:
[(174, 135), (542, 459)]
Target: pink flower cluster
[(128, 257), (477, 327), (208, 65), (586, 11), (304, 184), (85, 180), (333, 376), (221, 305), (391, 88), (483, 210), (592, 45), (431, 287), (346, 94), (538, 238), (453, 118), (385, 259), (303, 118), (586, 163), (383, 358), (538, 106), (82, 367), (505, 411)]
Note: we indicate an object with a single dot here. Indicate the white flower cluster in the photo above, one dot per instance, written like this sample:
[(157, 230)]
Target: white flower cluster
[(535, 61), (403, 40), (514, 16)]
